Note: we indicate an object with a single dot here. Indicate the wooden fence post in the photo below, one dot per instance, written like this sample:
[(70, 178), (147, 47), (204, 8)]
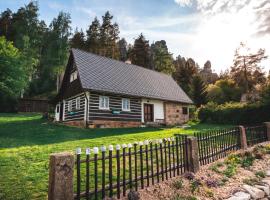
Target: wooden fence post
[(61, 176), (193, 154), (267, 124), (243, 137)]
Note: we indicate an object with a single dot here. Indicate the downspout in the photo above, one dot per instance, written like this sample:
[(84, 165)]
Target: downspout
[(86, 113)]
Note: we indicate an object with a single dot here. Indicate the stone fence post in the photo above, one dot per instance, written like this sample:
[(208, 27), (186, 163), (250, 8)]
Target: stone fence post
[(267, 124), (193, 154), (61, 176), (243, 138)]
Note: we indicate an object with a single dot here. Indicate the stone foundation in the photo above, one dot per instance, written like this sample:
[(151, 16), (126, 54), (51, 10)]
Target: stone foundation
[(80, 123), (174, 114), (113, 124)]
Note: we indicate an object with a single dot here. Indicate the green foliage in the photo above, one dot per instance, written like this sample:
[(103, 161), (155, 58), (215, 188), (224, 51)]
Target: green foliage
[(93, 37), (198, 91), (266, 95), (234, 113), (260, 174), (140, 53), (195, 185), (178, 184), (182, 197), (251, 181), (247, 160), (162, 58), (14, 75), (184, 72), (78, 40), (224, 90)]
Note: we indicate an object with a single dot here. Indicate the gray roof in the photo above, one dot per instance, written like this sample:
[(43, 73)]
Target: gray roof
[(107, 75)]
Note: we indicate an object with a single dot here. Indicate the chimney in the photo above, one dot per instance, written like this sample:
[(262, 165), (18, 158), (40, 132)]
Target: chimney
[(128, 61)]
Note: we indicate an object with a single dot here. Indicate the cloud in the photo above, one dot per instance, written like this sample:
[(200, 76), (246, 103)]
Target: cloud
[(183, 3)]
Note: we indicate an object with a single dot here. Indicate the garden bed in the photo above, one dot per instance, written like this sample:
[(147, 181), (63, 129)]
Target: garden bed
[(218, 180)]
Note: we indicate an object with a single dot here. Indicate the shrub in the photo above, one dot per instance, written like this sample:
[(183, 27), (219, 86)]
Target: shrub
[(247, 160), (211, 183), (178, 184), (230, 171), (234, 113), (180, 197), (195, 185), (260, 174), (251, 181)]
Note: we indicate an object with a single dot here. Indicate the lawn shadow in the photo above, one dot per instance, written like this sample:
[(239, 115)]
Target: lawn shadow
[(41, 132)]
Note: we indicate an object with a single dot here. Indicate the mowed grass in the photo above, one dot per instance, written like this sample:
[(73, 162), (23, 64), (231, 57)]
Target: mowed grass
[(26, 141)]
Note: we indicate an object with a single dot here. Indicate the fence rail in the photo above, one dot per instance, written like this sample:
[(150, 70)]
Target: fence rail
[(214, 145), (256, 134), (104, 173), (128, 167)]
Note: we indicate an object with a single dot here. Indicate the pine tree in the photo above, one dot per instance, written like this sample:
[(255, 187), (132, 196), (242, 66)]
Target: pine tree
[(184, 72), (78, 41), (140, 53), (161, 58), (198, 91), (109, 35), (6, 24), (93, 37), (123, 49)]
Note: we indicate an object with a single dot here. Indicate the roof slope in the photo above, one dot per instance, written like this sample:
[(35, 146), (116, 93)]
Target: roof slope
[(108, 75)]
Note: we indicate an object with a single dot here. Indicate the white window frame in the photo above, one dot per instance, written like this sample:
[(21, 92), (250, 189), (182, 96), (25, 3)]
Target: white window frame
[(103, 105), (73, 76), (78, 103), (70, 105), (123, 104)]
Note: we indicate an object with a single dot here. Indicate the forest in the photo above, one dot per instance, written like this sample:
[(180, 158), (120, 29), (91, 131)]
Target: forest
[(33, 56)]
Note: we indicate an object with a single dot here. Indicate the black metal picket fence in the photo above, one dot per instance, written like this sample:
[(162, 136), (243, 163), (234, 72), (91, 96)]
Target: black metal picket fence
[(99, 175), (256, 134), (216, 144), (102, 172)]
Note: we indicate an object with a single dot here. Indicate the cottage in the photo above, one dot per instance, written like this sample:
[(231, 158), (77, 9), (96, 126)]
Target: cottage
[(101, 92)]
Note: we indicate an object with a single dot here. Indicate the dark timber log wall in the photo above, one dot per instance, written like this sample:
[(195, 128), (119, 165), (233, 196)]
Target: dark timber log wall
[(75, 114), (115, 103)]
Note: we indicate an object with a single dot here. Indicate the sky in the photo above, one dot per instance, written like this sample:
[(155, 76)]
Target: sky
[(200, 29)]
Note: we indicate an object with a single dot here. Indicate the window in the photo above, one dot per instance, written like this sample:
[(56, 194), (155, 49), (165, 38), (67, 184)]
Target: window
[(57, 108), (73, 76), (125, 104), (69, 105), (104, 102), (78, 102), (185, 110)]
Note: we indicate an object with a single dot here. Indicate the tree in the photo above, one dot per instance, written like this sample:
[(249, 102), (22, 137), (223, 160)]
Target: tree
[(93, 37), (123, 49), (161, 58), (224, 90), (140, 53), (109, 35), (198, 91), (245, 70), (14, 74), (184, 72), (6, 24), (78, 41), (54, 55)]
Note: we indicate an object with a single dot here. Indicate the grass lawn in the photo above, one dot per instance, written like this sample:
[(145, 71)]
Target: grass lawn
[(26, 141)]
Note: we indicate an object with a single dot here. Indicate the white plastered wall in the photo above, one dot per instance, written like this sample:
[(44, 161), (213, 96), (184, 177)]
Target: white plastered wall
[(158, 108)]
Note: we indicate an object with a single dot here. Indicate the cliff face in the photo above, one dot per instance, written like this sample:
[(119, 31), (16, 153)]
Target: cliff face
[(206, 73)]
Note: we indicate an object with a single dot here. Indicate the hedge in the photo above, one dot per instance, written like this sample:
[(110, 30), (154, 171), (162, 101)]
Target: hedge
[(234, 113)]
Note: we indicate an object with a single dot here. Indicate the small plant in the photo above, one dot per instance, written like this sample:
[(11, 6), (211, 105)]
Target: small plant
[(195, 185), (209, 192), (260, 174), (251, 181), (223, 181), (219, 164), (178, 184), (189, 175), (211, 183), (247, 160), (230, 171), (214, 168), (233, 159), (180, 197)]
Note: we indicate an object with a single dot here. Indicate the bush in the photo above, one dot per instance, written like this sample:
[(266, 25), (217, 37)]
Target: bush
[(234, 113)]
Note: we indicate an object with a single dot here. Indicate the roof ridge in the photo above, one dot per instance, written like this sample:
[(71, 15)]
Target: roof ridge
[(161, 73)]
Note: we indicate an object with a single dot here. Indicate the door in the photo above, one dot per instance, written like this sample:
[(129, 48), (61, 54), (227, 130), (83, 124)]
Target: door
[(61, 111), (148, 112), (57, 112)]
